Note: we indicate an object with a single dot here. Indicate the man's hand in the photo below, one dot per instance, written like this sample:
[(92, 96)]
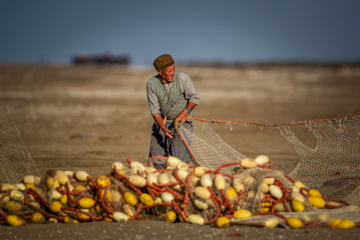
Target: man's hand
[(183, 116), (161, 124), (184, 113), (167, 132)]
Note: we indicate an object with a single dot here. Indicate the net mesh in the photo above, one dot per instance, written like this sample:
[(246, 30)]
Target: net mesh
[(16, 161), (206, 147), (333, 165)]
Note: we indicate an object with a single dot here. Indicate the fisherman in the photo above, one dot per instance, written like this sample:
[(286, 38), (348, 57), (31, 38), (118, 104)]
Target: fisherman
[(170, 95)]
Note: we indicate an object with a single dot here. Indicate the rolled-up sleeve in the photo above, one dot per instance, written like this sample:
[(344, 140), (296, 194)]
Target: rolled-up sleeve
[(152, 99), (187, 87)]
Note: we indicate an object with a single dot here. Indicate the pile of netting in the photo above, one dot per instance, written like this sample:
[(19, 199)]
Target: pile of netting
[(252, 194)]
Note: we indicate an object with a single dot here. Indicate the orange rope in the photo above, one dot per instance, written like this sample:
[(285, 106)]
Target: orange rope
[(276, 124), (197, 163)]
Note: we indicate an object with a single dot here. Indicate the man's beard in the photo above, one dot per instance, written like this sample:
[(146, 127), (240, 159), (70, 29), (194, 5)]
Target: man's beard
[(169, 80)]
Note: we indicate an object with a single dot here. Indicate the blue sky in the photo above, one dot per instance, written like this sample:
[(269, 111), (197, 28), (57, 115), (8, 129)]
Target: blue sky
[(190, 30)]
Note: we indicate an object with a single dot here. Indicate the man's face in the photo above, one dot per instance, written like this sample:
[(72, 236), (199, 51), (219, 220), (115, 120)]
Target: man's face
[(168, 73)]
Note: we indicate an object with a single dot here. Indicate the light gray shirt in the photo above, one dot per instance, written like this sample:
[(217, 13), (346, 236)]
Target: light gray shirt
[(186, 87)]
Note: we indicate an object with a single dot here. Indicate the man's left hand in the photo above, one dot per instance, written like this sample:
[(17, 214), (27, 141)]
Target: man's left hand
[(183, 116)]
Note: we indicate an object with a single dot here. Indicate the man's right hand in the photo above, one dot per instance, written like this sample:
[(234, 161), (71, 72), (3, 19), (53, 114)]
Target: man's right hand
[(167, 132), (161, 124)]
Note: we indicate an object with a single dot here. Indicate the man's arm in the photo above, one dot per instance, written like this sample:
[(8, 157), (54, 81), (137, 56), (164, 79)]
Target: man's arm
[(191, 95), (152, 100), (155, 109), (188, 88)]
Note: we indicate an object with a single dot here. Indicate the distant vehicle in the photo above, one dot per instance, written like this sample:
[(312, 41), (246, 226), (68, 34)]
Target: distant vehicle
[(103, 59)]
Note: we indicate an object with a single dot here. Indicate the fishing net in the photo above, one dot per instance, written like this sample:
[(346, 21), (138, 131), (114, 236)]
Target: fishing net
[(206, 147), (220, 186), (331, 165), (16, 161), (252, 195)]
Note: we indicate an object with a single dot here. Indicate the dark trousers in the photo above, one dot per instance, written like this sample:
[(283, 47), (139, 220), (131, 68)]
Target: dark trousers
[(161, 145)]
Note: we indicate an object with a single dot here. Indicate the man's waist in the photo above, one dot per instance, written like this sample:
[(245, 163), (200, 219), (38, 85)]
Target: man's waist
[(171, 120)]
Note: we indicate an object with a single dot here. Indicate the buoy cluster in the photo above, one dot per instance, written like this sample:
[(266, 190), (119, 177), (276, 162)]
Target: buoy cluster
[(249, 192)]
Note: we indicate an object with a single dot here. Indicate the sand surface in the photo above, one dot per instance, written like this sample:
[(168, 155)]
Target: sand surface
[(86, 118)]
